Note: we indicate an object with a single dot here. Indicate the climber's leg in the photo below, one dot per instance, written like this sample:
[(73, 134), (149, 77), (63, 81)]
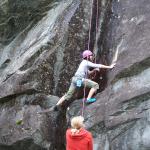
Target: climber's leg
[(69, 94), (94, 87), (61, 100)]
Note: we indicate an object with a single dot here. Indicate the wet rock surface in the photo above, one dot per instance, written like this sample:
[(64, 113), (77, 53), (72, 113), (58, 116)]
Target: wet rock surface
[(39, 53)]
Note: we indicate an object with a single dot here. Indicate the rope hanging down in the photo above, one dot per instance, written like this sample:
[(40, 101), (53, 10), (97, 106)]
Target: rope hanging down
[(89, 40)]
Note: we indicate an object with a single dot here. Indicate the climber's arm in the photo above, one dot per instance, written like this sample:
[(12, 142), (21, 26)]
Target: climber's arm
[(108, 67), (92, 71), (93, 65)]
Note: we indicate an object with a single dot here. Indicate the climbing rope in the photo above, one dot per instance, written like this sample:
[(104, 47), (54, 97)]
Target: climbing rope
[(97, 14), (89, 40), (84, 98)]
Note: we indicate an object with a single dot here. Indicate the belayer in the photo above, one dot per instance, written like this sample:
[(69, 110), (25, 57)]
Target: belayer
[(80, 78), (77, 137)]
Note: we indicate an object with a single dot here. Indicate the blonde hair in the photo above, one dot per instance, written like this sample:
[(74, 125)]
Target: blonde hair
[(77, 122)]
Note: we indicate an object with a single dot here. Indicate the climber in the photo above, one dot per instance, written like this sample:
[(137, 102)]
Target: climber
[(79, 79), (77, 137)]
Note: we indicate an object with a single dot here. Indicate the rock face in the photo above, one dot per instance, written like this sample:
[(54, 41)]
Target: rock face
[(119, 119), (36, 59), (41, 42)]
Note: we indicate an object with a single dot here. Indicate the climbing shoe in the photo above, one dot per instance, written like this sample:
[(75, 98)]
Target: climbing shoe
[(91, 100)]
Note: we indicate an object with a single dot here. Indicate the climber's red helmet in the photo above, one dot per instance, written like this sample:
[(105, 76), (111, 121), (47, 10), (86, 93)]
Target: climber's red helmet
[(86, 54)]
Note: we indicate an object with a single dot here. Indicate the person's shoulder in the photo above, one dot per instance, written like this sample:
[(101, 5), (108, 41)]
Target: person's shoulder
[(86, 61), (89, 134), (86, 131), (68, 131)]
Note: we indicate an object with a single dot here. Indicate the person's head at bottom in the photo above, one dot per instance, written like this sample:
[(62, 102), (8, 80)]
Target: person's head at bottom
[(77, 136), (77, 123)]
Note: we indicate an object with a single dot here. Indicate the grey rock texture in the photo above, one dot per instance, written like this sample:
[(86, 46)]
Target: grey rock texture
[(40, 45), (35, 61), (119, 120)]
